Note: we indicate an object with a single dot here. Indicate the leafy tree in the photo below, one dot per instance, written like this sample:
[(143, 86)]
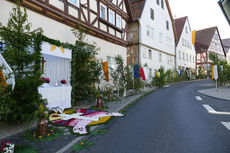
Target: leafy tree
[(129, 78), (159, 81), (118, 75), (85, 70), (25, 63)]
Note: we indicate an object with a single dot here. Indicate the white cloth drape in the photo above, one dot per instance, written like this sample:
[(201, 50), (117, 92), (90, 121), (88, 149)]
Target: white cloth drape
[(57, 69)]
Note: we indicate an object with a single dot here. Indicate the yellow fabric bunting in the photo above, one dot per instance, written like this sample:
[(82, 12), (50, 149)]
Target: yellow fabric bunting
[(106, 70), (53, 47), (62, 50)]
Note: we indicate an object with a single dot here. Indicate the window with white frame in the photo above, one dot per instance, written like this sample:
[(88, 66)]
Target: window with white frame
[(160, 57), (148, 31), (74, 2), (187, 57), (179, 54), (186, 29), (111, 17), (152, 32), (118, 21), (150, 54), (158, 2), (167, 25), (183, 56), (160, 37), (152, 14), (162, 4), (103, 11)]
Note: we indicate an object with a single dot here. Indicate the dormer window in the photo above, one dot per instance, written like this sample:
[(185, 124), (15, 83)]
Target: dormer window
[(118, 21), (103, 11), (74, 2), (111, 17)]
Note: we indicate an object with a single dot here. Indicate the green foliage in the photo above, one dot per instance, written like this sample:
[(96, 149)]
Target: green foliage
[(83, 145), (19, 40), (99, 131), (224, 72), (159, 81), (118, 75), (85, 72), (25, 149), (54, 133), (128, 78)]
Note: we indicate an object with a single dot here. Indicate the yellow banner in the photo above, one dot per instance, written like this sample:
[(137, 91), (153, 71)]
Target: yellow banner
[(106, 70), (157, 74), (193, 37), (213, 72), (175, 75)]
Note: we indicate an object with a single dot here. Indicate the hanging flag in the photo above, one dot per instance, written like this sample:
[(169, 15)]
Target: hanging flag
[(193, 37), (2, 79), (123, 75), (213, 72), (106, 70), (142, 74), (158, 74), (175, 75), (136, 70)]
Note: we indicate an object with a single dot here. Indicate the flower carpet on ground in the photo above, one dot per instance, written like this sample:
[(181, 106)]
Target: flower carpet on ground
[(79, 119)]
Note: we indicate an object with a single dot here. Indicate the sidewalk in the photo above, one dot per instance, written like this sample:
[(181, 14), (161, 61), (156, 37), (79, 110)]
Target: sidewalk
[(222, 93), (65, 143)]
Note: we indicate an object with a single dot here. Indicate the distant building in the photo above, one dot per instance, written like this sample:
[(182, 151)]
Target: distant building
[(207, 41), (226, 43), (151, 36), (185, 50), (225, 7)]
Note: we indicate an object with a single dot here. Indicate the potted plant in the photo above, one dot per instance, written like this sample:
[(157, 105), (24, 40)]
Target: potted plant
[(63, 82), (42, 126)]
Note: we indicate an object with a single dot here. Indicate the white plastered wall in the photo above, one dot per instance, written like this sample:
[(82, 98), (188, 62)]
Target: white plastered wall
[(62, 32), (181, 48)]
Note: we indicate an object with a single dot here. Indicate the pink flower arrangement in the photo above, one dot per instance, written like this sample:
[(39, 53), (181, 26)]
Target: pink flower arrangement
[(45, 80), (63, 81), (7, 146)]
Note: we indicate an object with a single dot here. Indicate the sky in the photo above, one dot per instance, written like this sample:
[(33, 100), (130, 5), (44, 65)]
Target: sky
[(202, 14)]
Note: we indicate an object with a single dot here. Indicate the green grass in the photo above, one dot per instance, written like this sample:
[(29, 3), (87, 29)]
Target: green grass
[(57, 133), (84, 144), (24, 149), (99, 131)]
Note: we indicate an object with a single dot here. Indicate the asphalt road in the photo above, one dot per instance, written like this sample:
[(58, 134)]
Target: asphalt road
[(170, 120)]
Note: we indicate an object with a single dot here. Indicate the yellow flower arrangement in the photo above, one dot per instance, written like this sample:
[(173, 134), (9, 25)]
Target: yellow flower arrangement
[(39, 137), (48, 134), (82, 143), (101, 120)]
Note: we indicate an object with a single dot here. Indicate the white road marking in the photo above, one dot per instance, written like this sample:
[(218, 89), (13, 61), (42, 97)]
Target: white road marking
[(212, 111), (209, 108), (226, 124), (198, 98)]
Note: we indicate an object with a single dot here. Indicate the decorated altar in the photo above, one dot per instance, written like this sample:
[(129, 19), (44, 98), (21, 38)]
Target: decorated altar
[(56, 68)]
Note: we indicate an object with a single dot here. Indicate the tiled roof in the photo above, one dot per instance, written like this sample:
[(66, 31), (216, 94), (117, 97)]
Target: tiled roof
[(179, 23), (204, 38), (136, 8)]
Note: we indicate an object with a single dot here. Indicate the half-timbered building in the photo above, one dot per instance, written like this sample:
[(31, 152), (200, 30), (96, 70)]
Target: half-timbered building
[(104, 21), (208, 41)]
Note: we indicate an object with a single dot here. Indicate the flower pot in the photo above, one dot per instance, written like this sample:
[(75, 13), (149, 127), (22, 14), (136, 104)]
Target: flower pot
[(42, 127)]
